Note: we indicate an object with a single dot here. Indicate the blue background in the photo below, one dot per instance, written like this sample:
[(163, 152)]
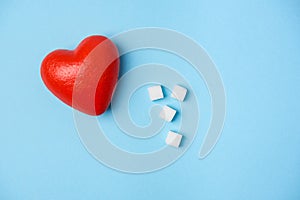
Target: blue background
[(255, 45)]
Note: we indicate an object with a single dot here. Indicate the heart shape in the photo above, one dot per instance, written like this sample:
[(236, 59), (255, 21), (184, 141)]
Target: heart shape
[(83, 78)]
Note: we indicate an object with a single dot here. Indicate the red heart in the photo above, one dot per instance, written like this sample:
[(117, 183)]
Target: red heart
[(83, 78)]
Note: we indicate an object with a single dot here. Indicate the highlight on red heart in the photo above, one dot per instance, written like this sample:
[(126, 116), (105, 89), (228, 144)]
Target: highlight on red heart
[(92, 69)]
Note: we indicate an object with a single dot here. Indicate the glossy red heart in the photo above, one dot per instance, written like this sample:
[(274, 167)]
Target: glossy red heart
[(83, 78)]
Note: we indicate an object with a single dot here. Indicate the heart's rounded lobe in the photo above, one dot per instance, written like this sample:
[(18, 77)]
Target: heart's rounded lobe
[(83, 78)]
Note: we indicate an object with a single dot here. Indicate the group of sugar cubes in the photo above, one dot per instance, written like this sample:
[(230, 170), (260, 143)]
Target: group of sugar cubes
[(167, 113)]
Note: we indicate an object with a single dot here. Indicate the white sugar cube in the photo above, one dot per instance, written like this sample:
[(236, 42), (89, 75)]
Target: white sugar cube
[(179, 93), (155, 92), (173, 139), (167, 113)]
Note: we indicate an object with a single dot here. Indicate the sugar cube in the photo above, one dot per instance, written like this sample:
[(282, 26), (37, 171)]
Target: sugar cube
[(179, 93), (173, 139), (167, 113), (155, 92)]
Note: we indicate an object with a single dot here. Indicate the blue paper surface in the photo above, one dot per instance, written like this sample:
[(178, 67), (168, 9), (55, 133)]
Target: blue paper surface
[(255, 46)]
